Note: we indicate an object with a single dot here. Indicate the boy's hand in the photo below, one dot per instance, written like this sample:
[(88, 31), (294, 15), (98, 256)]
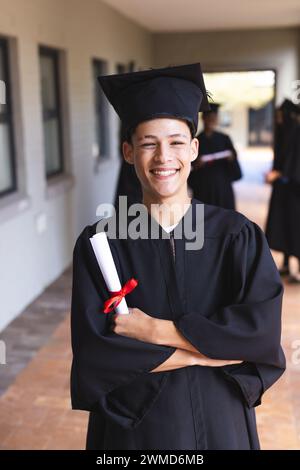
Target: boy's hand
[(137, 324)]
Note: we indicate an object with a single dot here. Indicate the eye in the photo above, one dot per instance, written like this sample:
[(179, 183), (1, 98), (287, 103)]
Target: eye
[(177, 142), (148, 145)]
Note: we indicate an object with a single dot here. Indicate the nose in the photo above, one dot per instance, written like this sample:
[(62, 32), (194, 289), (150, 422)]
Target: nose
[(163, 154)]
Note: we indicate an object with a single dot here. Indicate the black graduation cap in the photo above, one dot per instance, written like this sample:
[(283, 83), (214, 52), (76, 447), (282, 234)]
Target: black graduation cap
[(289, 107), (177, 91), (214, 108)]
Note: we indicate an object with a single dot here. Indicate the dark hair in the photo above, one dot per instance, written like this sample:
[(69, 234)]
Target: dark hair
[(209, 113), (127, 135)]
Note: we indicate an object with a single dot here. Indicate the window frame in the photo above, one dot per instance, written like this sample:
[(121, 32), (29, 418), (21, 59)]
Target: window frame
[(102, 155), (7, 117), (45, 51)]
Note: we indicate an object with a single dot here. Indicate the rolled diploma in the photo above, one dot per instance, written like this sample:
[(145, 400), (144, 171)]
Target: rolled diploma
[(216, 156), (108, 268)]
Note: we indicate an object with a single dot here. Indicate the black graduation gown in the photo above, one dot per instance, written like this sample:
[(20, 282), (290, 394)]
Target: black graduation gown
[(212, 183), (224, 298), (283, 221)]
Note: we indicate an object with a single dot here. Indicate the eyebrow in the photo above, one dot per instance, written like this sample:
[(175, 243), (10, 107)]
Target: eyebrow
[(149, 136)]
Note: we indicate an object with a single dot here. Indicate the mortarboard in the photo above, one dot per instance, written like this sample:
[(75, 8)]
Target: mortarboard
[(289, 107), (214, 108), (177, 92)]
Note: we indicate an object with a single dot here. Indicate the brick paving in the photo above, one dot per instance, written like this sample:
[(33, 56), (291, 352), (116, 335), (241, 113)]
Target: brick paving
[(35, 410), (25, 335)]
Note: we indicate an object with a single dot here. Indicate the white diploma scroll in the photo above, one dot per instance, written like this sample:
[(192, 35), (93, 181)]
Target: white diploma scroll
[(216, 156), (108, 268)]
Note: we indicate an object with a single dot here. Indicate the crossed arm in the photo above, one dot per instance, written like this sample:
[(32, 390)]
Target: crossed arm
[(143, 327)]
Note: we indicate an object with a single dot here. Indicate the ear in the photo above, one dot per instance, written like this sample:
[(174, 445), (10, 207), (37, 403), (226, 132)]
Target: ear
[(194, 149), (127, 149)]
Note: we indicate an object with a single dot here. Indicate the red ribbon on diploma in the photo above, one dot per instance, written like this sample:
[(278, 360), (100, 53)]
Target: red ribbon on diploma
[(117, 297)]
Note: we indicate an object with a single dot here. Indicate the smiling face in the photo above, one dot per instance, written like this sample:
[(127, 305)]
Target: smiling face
[(162, 151)]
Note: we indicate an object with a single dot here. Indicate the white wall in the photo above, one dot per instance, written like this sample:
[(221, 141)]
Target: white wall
[(238, 130), (277, 49), (30, 260)]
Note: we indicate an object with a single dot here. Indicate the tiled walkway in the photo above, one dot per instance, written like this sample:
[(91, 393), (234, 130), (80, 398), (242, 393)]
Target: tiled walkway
[(30, 331), (35, 409)]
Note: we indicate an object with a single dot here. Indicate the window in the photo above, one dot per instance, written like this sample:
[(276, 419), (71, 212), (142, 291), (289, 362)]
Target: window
[(102, 134), (51, 109), (8, 181), (121, 68)]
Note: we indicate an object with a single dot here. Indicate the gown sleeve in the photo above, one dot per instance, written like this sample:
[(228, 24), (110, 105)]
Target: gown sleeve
[(110, 372), (234, 167), (249, 329), (291, 163)]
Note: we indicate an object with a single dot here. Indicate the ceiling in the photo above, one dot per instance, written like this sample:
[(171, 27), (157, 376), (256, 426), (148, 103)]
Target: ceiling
[(201, 15)]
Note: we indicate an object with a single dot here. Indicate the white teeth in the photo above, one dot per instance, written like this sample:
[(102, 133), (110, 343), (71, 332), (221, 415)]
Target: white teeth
[(164, 172)]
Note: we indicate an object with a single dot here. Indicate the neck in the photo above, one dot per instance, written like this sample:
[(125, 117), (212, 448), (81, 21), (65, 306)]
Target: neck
[(167, 211), (208, 132)]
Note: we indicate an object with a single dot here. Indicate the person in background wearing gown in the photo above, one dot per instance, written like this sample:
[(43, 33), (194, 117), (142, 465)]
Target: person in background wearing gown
[(185, 369), (283, 221), (211, 181)]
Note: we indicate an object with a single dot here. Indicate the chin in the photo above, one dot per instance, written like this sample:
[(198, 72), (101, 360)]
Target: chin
[(166, 193)]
